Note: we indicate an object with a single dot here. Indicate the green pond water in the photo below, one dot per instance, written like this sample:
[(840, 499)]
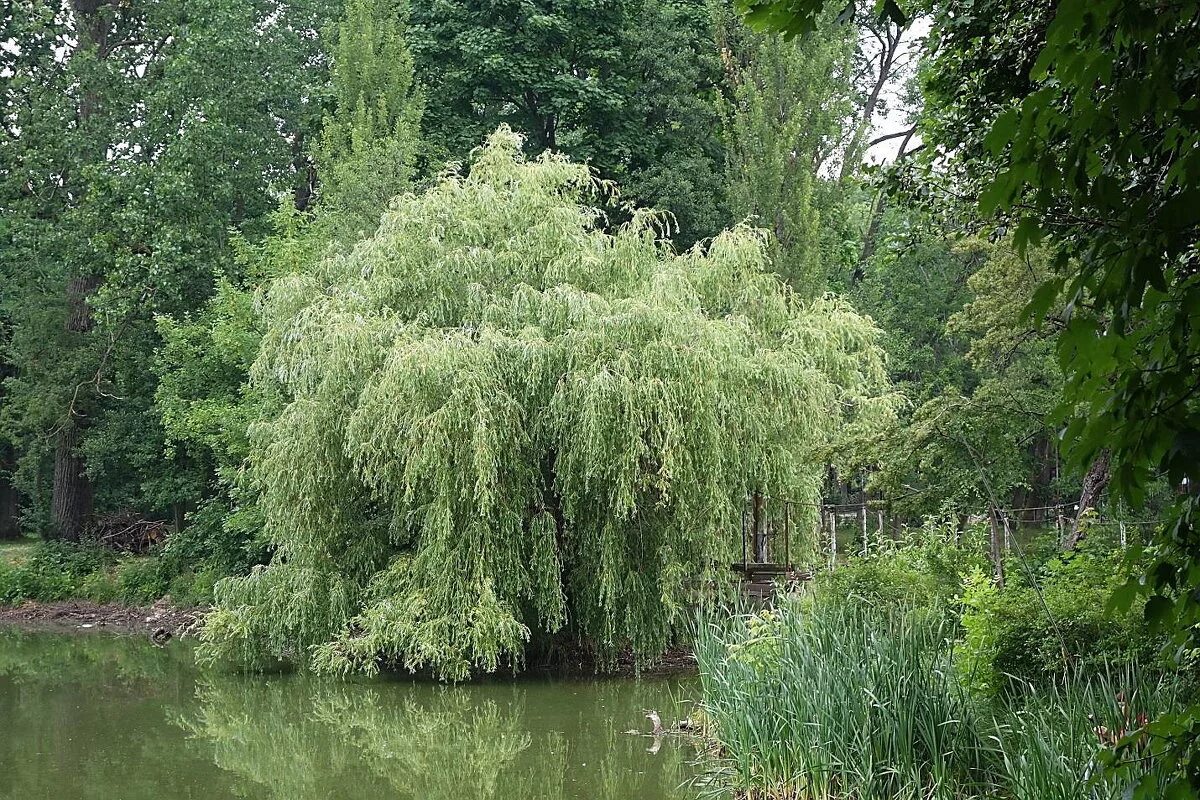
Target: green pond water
[(115, 718)]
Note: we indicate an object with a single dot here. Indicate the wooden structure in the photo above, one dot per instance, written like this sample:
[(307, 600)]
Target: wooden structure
[(766, 546), (772, 537)]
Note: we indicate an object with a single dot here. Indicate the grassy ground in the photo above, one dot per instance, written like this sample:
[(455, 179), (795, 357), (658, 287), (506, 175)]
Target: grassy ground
[(13, 553)]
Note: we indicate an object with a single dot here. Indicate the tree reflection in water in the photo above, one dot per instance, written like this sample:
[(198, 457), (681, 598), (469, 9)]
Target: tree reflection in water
[(302, 738), (99, 717)]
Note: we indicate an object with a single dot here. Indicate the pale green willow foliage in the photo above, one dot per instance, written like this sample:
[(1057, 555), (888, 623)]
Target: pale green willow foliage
[(503, 417)]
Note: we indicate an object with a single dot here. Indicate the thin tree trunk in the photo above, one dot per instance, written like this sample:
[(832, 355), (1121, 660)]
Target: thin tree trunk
[(996, 548), (1094, 484), (889, 44)]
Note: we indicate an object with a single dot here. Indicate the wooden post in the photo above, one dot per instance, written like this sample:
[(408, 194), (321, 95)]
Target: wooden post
[(760, 537), (787, 531), (863, 512), (997, 556), (743, 532), (832, 538)]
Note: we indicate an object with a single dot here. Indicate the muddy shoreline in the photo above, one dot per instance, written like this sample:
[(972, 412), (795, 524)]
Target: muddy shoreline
[(160, 621), (163, 621)]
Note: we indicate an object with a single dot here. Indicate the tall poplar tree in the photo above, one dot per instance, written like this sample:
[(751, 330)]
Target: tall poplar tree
[(783, 113), (365, 153)]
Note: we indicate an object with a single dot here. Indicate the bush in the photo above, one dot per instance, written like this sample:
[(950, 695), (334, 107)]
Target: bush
[(141, 580), (61, 571), (925, 570), (194, 588), (1016, 633), (53, 571), (9, 592), (99, 587)]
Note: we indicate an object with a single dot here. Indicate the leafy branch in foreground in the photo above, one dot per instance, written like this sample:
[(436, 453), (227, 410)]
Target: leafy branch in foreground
[(502, 418)]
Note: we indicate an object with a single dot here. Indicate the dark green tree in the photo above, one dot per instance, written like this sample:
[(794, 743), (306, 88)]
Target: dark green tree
[(627, 86), (364, 154), (136, 136)]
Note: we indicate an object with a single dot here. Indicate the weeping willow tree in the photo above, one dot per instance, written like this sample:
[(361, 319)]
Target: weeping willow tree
[(503, 419)]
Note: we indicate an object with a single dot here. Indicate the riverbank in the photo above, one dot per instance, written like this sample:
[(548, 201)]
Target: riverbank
[(160, 621), (163, 620)]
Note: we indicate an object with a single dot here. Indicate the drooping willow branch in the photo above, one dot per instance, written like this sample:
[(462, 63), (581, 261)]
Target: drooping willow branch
[(504, 419)]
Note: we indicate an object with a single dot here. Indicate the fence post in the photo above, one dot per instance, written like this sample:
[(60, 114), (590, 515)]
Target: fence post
[(832, 539), (863, 512), (787, 533)]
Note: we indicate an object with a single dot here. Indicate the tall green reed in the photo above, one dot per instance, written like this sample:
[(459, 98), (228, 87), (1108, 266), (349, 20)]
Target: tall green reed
[(1048, 739), (822, 700), (827, 701)]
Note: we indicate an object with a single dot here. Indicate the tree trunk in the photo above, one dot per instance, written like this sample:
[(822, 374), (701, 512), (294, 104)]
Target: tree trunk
[(71, 497), (71, 504), (10, 507), (1094, 484), (889, 44), (71, 500)]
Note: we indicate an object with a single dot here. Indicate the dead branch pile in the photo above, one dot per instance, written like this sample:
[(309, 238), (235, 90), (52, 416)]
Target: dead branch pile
[(128, 532)]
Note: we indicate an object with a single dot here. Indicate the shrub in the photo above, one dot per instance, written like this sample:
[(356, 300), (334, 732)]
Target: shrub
[(53, 571), (140, 580), (1015, 632), (194, 588), (9, 592), (99, 587), (926, 570)]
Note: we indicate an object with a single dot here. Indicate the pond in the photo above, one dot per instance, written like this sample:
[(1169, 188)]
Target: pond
[(115, 718)]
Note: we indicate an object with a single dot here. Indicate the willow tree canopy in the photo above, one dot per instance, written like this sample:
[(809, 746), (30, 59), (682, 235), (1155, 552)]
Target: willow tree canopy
[(503, 418)]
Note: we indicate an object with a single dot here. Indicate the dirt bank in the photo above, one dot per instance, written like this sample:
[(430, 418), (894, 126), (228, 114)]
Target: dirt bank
[(160, 621)]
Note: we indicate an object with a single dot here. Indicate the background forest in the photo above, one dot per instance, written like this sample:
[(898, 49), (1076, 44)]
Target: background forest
[(449, 334)]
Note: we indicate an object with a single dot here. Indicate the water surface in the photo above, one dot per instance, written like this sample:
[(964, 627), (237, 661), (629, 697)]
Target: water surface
[(95, 716)]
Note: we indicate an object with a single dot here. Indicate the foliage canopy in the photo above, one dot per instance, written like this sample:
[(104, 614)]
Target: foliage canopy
[(503, 418)]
